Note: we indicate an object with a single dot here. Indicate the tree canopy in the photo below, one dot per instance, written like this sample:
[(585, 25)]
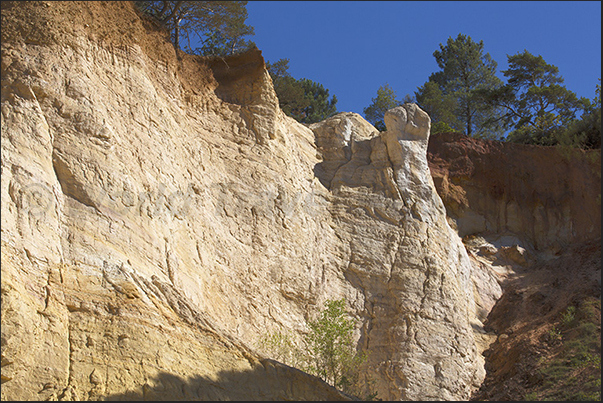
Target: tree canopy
[(586, 132), (534, 100), (465, 69), (439, 107), (320, 107), (304, 100), (218, 25), (386, 99)]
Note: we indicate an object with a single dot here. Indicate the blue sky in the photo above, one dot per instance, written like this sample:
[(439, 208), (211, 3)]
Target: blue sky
[(353, 47)]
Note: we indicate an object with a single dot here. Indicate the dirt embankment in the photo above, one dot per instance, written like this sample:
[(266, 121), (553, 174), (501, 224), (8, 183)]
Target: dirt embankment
[(550, 197), (548, 320), (548, 323)]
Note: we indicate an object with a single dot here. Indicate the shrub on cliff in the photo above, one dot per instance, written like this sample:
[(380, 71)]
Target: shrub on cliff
[(327, 351), (304, 100), (331, 353)]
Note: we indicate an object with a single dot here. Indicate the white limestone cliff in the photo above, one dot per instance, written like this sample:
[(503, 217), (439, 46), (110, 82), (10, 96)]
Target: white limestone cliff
[(411, 269), (160, 214)]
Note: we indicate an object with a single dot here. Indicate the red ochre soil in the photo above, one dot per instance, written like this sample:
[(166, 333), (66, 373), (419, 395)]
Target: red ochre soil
[(483, 175), (532, 332), (539, 353)]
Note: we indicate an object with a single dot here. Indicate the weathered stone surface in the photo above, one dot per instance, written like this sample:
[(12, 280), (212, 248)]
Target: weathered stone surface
[(530, 216), (140, 211), (547, 197), (160, 214), (77, 336), (410, 267), (337, 137)]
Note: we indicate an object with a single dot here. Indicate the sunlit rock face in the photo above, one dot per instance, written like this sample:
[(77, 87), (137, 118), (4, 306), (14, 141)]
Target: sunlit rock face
[(160, 214), (403, 258), (156, 221)]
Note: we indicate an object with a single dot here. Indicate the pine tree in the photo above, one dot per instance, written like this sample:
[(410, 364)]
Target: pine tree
[(533, 100), (440, 108), (385, 100), (304, 100), (218, 25), (465, 70)]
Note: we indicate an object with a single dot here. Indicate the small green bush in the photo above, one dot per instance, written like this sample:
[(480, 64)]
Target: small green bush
[(441, 127), (554, 334), (568, 316), (282, 348), (580, 352), (327, 351)]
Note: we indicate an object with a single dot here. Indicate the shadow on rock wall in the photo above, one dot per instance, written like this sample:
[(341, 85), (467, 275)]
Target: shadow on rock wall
[(270, 380)]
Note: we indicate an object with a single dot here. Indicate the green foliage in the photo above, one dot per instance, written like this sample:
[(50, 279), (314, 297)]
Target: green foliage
[(289, 91), (589, 310), (440, 107), (568, 316), (585, 132), (304, 100), (575, 372), (278, 69), (319, 107), (466, 96), (535, 103), (219, 25), (441, 127), (409, 99), (330, 346), (554, 335), (465, 71), (282, 348), (218, 43), (327, 351), (591, 359), (385, 100)]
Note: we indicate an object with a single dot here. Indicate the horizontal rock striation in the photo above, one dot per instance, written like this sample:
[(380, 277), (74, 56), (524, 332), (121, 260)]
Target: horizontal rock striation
[(547, 197)]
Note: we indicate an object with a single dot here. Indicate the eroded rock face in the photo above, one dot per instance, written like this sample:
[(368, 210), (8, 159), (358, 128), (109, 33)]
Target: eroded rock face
[(150, 229), (529, 216), (411, 268), (160, 214), (546, 197)]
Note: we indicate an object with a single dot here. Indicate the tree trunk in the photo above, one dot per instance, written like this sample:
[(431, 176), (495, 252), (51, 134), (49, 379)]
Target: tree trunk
[(170, 15), (177, 34)]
